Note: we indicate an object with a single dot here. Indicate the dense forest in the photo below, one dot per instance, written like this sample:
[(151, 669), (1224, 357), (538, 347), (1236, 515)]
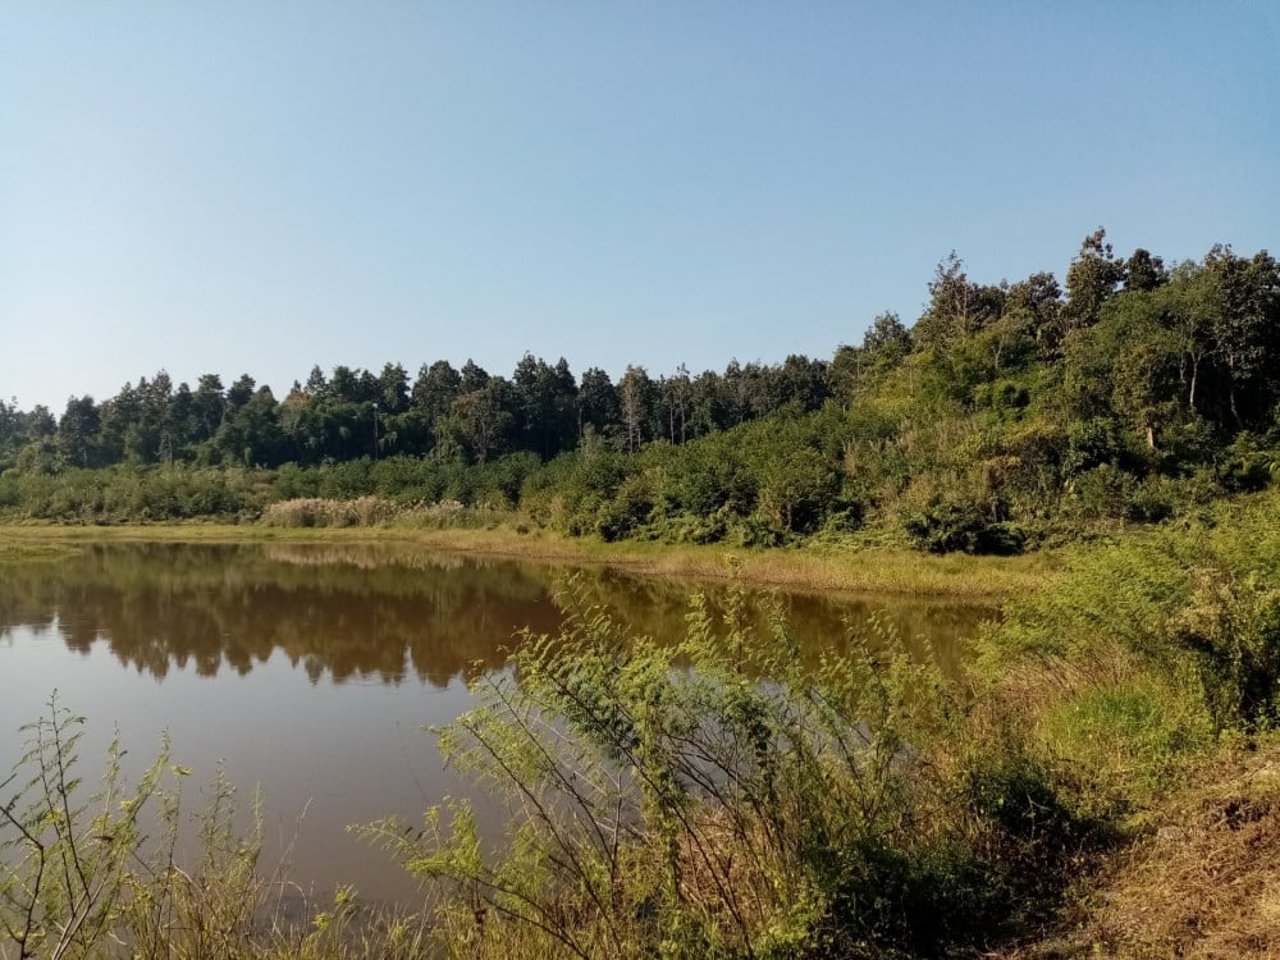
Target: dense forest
[(1007, 413)]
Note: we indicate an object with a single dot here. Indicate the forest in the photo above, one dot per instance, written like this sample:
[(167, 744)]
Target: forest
[(1006, 415)]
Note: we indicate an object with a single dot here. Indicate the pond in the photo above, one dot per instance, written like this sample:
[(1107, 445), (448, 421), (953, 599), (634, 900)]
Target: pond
[(308, 671)]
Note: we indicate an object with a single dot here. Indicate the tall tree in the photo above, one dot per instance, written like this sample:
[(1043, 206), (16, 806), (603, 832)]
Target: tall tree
[(434, 393), (393, 389), (1092, 279), (474, 377), (598, 406), (635, 394), (77, 431), (1143, 272), (1246, 327), (480, 423)]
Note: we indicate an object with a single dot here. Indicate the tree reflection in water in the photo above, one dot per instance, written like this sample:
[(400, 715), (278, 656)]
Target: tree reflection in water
[(387, 611)]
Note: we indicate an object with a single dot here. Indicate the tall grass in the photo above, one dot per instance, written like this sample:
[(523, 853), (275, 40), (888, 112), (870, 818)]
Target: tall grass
[(105, 872), (713, 797), (379, 511), (319, 512)]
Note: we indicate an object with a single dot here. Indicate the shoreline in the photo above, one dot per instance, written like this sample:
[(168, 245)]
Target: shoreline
[(871, 570)]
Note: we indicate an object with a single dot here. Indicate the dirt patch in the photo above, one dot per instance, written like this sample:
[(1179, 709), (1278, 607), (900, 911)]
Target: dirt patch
[(1202, 882)]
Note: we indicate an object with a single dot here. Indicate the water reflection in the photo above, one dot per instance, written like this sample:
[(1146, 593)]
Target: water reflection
[(309, 669), (387, 612)]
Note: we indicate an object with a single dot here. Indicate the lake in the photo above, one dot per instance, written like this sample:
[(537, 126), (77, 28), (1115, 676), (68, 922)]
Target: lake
[(309, 670)]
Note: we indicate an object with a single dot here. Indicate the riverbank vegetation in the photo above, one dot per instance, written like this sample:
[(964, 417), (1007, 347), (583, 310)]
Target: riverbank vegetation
[(714, 794), (664, 801), (1008, 415)]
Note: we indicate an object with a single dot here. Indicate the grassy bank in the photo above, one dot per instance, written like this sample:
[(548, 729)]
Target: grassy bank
[(866, 570), (1201, 880), (1101, 782)]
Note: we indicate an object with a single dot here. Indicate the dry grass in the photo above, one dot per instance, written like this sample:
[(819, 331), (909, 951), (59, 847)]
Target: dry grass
[(871, 570), (318, 512), (1203, 880)]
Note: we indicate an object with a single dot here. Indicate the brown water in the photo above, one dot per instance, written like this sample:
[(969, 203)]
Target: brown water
[(310, 670)]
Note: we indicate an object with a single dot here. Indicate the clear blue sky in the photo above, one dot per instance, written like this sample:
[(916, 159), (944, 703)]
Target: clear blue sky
[(260, 187)]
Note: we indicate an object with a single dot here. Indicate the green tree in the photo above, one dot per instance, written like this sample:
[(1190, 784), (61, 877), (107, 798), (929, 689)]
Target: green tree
[(635, 395), (1246, 328), (78, 431), (1092, 279), (474, 377), (598, 406), (480, 423)]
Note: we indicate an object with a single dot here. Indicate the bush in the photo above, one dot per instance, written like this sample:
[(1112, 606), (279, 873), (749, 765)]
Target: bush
[(1103, 492), (948, 523), (1245, 465), (664, 802), (629, 509)]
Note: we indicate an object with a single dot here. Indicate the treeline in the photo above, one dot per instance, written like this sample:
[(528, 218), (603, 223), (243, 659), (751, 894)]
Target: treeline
[(1133, 390), (452, 415)]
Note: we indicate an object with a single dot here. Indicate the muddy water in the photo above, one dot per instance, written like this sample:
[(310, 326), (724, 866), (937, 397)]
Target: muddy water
[(309, 671)]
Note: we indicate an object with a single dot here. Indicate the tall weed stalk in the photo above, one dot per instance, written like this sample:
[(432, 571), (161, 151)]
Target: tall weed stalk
[(713, 797)]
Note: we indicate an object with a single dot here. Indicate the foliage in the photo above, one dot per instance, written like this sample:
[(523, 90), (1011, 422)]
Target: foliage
[(1007, 415), (713, 797)]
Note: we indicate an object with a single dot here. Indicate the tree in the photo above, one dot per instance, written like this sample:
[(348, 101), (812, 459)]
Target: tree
[(709, 407), (480, 422), (435, 390), (1092, 279), (474, 377), (344, 385), (209, 405), (1039, 298), (957, 306), (317, 384), (678, 392), (1246, 326), (1144, 272), (1144, 364), (1187, 306), (802, 381), (393, 389), (598, 406), (635, 393), (251, 433), (885, 345), (544, 398), (240, 393), (77, 431)]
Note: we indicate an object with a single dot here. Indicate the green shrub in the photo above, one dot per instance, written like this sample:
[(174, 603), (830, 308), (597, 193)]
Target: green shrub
[(947, 526), (665, 801)]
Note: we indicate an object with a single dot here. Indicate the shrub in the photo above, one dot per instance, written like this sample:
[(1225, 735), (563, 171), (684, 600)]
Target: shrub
[(630, 508), (664, 801)]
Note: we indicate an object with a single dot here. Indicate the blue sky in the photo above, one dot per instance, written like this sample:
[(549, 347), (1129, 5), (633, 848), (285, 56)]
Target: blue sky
[(259, 187)]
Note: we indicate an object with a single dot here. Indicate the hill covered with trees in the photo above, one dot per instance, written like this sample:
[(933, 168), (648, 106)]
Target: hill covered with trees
[(1009, 412)]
